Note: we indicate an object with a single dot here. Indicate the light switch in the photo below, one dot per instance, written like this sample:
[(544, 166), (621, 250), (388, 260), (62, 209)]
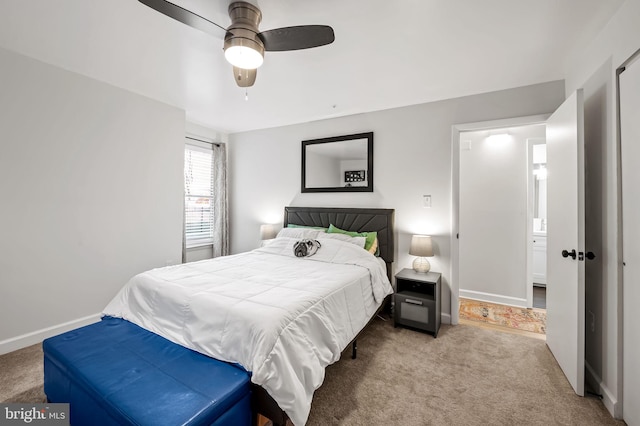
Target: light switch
[(426, 201)]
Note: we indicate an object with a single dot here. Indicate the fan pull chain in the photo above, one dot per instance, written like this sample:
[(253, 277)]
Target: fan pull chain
[(246, 94)]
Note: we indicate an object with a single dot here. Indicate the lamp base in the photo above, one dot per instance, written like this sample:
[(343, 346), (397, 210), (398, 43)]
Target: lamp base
[(421, 264)]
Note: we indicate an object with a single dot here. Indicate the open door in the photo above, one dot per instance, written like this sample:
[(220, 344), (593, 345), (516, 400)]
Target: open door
[(565, 241)]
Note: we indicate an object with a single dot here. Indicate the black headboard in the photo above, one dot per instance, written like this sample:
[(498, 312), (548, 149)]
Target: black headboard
[(350, 219)]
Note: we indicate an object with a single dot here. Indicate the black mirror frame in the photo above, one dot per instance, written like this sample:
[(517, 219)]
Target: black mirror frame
[(368, 188)]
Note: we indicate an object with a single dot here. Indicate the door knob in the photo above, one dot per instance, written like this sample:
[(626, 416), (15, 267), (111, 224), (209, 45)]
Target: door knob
[(590, 255), (571, 253)]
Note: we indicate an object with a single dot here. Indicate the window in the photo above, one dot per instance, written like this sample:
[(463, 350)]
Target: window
[(198, 193)]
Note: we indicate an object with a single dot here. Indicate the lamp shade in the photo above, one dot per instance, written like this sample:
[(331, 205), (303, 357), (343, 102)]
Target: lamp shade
[(421, 246), (267, 232)]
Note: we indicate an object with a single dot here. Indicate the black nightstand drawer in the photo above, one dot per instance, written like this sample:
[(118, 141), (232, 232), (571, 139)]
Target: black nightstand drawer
[(414, 310)]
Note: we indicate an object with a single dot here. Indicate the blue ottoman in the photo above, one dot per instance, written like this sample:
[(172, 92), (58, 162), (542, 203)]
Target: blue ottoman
[(116, 373)]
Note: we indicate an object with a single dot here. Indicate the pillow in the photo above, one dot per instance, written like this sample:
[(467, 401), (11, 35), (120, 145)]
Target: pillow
[(359, 241), (299, 233), (319, 228), (374, 248), (369, 236), (306, 248)]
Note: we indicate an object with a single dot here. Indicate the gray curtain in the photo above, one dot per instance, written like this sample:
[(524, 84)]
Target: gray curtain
[(220, 201), (184, 233)]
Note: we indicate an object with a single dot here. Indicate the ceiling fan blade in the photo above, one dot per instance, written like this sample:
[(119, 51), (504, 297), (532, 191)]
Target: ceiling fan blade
[(296, 38), (185, 16), (244, 77)]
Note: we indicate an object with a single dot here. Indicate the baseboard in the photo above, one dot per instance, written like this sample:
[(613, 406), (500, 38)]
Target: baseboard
[(493, 298), (608, 399), (445, 318), (19, 342)]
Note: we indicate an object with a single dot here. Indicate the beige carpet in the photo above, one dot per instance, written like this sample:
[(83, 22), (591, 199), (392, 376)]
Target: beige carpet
[(467, 376), (21, 376)]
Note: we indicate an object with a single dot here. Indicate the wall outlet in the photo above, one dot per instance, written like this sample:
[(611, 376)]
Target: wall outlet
[(426, 201)]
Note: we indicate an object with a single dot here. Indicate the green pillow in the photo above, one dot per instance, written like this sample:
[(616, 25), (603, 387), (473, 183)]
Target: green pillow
[(370, 237), (319, 228)]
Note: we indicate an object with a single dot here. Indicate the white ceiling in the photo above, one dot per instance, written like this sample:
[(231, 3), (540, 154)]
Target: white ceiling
[(386, 54)]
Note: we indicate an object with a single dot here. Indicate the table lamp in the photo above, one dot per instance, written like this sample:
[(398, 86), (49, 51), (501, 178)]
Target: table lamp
[(267, 232), (421, 246)]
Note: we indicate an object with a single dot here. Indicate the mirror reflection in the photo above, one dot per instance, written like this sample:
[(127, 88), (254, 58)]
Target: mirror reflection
[(339, 164)]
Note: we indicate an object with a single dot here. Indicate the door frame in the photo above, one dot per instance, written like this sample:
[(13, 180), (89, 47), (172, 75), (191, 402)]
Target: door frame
[(618, 409), (456, 129)]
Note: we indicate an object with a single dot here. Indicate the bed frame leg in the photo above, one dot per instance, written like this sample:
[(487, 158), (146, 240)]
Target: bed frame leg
[(354, 349)]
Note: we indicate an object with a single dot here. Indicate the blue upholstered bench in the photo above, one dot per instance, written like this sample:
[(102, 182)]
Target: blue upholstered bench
[(116, 373)]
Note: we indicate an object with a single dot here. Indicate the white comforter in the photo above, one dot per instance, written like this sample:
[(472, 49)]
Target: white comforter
[(282, 318)]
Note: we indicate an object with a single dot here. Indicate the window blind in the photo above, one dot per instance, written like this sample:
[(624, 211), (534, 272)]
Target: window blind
[(198, 190)]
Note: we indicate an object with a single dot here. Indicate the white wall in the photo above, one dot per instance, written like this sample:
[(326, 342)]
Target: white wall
[(91, 193), (493, 215), (593, 68), (412, 154)]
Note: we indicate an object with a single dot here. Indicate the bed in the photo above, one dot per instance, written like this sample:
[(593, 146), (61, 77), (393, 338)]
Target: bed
[(280, 317), (354, 219)]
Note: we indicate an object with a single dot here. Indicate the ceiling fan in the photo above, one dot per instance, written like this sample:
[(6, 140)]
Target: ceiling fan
[(244, 43)]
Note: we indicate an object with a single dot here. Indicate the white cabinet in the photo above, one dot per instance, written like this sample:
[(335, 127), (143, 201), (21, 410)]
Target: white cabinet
[(539, 259)]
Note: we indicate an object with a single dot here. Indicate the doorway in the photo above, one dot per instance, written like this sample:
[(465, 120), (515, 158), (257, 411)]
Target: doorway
[(457, 130), (502, 204), (502, 226), (537, 164)]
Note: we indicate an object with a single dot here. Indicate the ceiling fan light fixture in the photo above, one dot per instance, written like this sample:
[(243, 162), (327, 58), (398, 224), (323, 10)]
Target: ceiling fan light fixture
[(244, 55), (242, 46)]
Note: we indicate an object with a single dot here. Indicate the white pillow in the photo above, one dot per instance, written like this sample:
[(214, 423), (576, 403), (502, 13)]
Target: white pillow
[(359, 241), (299, 233)]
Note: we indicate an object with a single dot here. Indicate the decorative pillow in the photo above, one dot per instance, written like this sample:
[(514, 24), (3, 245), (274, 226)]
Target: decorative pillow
[(359, 241), (369, 236), (306, 248), (299, 233), (374, 248)]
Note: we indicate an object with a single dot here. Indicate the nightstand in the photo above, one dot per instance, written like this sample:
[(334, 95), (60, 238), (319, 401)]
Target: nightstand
[(417, 300)]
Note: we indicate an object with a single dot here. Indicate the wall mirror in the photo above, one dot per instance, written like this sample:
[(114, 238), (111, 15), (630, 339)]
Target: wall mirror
[(338, 164)]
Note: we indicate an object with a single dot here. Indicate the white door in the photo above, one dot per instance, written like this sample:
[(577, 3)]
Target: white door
[(565, 238), (630, 151)]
